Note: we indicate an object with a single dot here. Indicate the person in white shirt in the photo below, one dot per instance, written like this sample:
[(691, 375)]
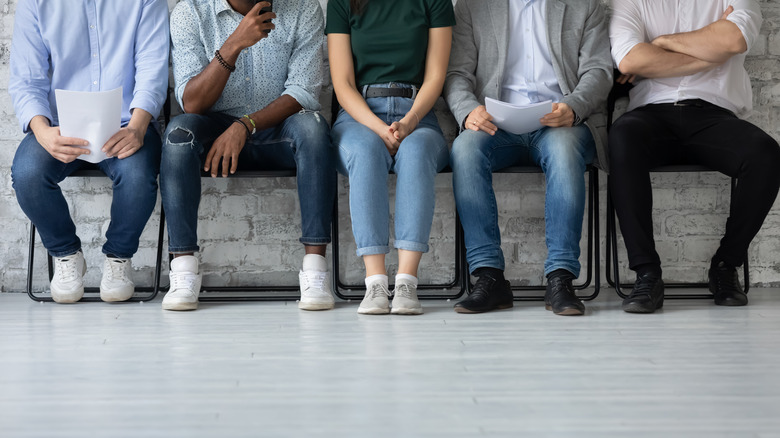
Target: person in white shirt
[(690, 97)]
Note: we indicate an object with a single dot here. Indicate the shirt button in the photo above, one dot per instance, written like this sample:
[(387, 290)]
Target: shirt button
[(94, 55), (91, 26), (247, 78), (94, 82)]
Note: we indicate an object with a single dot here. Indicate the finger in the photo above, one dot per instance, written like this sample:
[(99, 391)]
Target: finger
[(256, 8), (209, 157), (631, 78), (72, 141), (214, 164), (489, 128), (69, 150), (233, 164), (117, 148), (116, 138), (128, 151), (225, 164)]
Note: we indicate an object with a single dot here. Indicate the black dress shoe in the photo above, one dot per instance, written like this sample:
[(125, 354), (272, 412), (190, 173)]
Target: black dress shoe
[(647, 296), (724, 285), (560, 296), (489, 293)]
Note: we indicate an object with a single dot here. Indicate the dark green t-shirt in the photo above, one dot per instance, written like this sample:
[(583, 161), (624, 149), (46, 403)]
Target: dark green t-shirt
[(390, 37)]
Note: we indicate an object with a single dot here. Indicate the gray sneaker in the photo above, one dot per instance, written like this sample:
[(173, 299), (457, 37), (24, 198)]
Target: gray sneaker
[(405, 300), (375, 302)]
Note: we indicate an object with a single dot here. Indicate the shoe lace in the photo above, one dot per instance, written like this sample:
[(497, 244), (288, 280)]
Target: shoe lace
[(377, 290), (482, 286), (315, 279), (403, 291), (117, 269), (66, 268), (643, 286), (728, 278), (183, 280)]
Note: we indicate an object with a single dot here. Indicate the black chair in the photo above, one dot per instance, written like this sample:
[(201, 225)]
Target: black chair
[(593, 258), (151, 291), (612, 263)]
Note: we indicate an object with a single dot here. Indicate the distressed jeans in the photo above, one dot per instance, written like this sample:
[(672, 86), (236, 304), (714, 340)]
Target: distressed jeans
[(300, 142), (364, 159), (36, 176), (562, 153)]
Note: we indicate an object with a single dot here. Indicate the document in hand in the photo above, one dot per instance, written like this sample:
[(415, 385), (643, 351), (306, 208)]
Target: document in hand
[(517, 119), (94, 116)]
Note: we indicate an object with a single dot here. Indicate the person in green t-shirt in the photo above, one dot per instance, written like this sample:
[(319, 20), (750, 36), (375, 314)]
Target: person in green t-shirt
[(388, 61)]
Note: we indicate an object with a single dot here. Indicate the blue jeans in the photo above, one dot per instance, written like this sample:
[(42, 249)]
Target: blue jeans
[(300, 142), (36, 176), (562, 153), (363, 157)]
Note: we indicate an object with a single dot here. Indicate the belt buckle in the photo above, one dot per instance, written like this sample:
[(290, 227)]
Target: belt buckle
[(681, 103), (414, 91)]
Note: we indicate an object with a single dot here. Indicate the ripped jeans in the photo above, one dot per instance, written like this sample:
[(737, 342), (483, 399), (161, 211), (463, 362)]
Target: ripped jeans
[(300, 142)]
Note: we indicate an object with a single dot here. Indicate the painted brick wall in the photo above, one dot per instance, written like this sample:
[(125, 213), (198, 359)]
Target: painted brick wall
[(249, 228)]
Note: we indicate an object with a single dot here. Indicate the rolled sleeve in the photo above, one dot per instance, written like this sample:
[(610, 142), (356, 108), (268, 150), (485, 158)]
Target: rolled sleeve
[(29, 84), (747, 17), (626, 28), (305, 76), (187, 52), (151, 58)]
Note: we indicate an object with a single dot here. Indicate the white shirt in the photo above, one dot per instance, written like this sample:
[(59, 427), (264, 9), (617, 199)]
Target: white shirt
[(529, 76), (728, 85)]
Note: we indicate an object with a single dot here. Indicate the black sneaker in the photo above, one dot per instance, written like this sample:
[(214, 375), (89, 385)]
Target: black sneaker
[(560, 296), (647, 296), (724, 285), (490, 293)]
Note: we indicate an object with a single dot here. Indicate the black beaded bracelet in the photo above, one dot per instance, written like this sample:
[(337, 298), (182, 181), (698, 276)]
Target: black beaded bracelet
[(223, 63), (248, 132)]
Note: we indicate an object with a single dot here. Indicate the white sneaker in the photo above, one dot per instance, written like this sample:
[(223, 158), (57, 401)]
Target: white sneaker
[(405, 300), (67, 286), (116, 284), (315, 291), (185, 284), (375, 302)]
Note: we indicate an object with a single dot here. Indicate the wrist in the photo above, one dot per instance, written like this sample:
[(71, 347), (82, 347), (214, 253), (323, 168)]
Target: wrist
[(230, 51)]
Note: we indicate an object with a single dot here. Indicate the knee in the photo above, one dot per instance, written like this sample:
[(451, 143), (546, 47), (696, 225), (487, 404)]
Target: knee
[(765, 157), (467, 151), (310, 133), (181, 130)]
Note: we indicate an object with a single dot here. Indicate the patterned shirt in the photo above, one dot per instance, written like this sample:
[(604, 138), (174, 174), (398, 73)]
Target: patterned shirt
[(288, 61)]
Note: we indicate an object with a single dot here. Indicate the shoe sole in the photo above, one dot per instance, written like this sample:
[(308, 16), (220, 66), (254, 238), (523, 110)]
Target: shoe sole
[(634, 308), (113, 298), (730, 303), (180, 306), (315, 306), (67, 298), (499, 307), (406, 311), (373, 311), (567, 312)]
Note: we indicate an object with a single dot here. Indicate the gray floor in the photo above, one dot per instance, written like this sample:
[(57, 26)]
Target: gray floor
[(268, 369)]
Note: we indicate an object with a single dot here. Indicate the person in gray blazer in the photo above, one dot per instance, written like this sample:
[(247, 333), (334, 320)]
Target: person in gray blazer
[(524, 52)]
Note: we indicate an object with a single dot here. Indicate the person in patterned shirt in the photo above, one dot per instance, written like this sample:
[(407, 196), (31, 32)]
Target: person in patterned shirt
[(248, 80)]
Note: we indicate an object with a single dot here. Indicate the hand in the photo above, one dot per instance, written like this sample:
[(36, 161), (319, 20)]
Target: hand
[(124, 143), (253, 27), (65, 149), (226, 149), (480, 120), (561, 116), (622, 79), (727, 12), (402, 128), (388, 137)]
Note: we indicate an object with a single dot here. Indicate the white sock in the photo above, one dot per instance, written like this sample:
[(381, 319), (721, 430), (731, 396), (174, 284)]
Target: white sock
[(375, 279), (406, 278), (315, 262)]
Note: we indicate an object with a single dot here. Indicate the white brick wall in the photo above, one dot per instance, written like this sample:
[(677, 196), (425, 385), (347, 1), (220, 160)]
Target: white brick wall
[(249, 228)]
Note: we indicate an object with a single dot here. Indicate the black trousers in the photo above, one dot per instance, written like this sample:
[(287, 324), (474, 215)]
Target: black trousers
[(698, 133)]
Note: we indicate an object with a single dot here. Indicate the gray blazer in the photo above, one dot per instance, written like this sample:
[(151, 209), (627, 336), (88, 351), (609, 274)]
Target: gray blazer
[(579, 45)]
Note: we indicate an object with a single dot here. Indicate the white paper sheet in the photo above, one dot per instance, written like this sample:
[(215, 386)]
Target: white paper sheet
[(517, 119), (93, 116)]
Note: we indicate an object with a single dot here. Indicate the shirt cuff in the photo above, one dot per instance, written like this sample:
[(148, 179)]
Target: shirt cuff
[(147, 102), (306, 100), (30, 111)]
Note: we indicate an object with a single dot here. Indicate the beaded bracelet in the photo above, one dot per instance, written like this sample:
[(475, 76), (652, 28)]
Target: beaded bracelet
[(223, 63), (248, 132)]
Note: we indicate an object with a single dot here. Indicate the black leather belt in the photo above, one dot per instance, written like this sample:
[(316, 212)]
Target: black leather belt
[(699, 103), (409, 93)]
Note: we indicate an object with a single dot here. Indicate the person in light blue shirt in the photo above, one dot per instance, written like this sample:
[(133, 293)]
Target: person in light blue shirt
[(88, 45), (523, 52), (248, 80)]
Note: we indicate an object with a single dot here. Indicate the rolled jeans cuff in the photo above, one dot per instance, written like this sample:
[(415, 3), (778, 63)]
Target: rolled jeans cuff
[(408, 245), (183, 249), (314, 241), (574, 268), (372, 250)]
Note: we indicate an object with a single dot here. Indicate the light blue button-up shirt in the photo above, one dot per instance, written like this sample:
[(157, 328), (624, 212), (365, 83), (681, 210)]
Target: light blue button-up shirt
[(288, 61), (88, 45), (529, 76)]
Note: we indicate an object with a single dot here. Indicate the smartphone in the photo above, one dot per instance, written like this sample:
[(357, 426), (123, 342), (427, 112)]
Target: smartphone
[(265, 9)]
